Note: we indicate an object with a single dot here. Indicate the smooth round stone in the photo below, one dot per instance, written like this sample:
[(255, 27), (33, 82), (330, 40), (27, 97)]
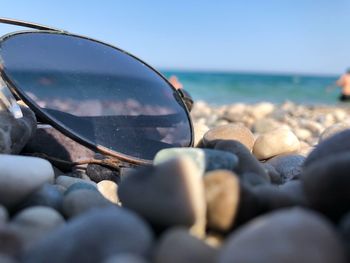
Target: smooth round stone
[(253, 179), (15, 133), (265, 125), (109, 190), (34, 223), (80, 186), (94, 237), (302, 134), (294, 189), (98, 173), (261, 110), (275, 177), (199, 130), (4, 215), (80, 201), (274, 143), (125, 258), (48, 195), (246, 161), (11, 244), (67, 181), (289, 166), (271, 197), (21, 176), (236, 132), (284, 236), (337, 143), (205, 159), (344, 228), (222, 194), (332, 130), (313, 126), (172, 194), (326, 184), (178, 246)]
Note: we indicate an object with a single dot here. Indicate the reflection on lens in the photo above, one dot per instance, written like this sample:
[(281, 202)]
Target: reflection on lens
[(98, 92)]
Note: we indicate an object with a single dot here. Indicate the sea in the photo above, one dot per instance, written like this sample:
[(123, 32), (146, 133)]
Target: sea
[(218, 88)]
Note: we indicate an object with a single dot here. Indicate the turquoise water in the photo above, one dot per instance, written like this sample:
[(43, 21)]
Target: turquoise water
[(224, 88)]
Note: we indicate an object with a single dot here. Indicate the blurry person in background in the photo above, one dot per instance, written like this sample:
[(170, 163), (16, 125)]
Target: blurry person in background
[(344, 83)]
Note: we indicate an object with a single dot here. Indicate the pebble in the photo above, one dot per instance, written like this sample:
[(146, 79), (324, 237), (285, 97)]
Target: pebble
[(205, 159), (222, 194), (4, 215), (289, 166), (67, 181), (15, 133), (274, 143), (230, 132), (246, 161), (344, 229), (98, 173), (80, 186), (11, 244), (334, 129), (125, 258), (50, 141), (294, 189), (265, 125), (21, 176), (80, 201), (94, 237), (275, 177), (326, 183), (288, 235), (178, 246), (172, 194), (109, 190), (48, 195), (34, 223), (337, 143), (199, 130)]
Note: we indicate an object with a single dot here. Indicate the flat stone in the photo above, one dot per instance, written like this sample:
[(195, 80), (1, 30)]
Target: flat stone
[(334, 129), (284, 236), (236, 132), (177, 245), (15, 133), (276, 142), (80, 201), (48, 195), (34, 223), (51, 142), (337, 143), (109, 190), (172, 194), (246, 161), (21, 176), (94, 237), (289, 166), (205, 159), (326, 183)]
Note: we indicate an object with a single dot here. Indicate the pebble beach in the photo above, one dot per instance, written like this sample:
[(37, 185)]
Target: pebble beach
[(264, 183)]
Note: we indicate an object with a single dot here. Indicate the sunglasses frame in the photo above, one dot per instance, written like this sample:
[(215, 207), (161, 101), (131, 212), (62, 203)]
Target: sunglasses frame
[(125, 160)]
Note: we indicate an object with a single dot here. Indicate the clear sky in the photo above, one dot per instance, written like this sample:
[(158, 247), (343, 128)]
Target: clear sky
[(299, 36)]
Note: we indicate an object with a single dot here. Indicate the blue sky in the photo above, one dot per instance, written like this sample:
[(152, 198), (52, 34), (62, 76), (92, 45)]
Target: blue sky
[(299, 36)]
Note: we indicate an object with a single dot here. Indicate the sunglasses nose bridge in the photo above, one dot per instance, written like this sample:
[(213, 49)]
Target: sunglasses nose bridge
[(9, 101)]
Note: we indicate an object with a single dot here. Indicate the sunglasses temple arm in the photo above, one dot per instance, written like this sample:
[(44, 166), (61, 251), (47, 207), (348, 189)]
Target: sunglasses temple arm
[(16, 22), (187, 98), (9, 101)]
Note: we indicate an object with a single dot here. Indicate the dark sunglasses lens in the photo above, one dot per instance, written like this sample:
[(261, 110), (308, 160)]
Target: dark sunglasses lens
[(96, 92)]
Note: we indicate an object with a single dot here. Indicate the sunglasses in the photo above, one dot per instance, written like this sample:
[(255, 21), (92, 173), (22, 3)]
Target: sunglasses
[(98, 95)]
